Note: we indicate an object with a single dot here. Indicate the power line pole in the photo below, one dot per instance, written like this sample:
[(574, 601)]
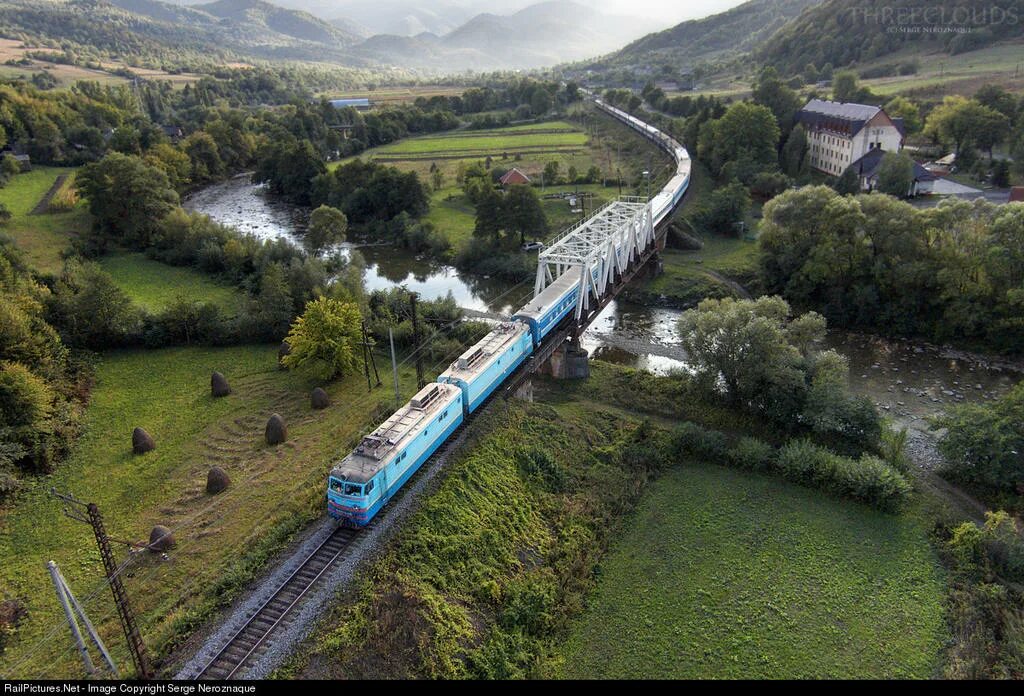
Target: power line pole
[(416, 341), (74, 508), (369, 360), (394, 364), (71, 608)]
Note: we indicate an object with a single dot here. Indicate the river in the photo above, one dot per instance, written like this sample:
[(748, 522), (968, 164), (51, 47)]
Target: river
[(908, 381)]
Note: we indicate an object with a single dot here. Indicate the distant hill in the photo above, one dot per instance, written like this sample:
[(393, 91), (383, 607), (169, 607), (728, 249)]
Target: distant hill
[(291, 23), (847, 32), (154, 30), (728, 33), (539, 35)]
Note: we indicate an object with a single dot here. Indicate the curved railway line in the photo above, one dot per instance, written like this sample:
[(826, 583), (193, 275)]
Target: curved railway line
[(253, 639)]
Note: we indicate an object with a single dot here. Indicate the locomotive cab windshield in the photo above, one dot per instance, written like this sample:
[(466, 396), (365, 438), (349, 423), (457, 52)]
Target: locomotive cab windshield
[(350, 489)]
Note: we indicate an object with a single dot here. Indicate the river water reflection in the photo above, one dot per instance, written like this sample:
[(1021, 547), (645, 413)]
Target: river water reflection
[(907, 380)]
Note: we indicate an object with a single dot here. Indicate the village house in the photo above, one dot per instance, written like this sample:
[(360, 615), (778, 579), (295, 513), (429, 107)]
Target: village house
[(514, 176)]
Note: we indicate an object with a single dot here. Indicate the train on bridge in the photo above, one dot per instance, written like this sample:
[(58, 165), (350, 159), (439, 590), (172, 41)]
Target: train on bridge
[(363, 482)]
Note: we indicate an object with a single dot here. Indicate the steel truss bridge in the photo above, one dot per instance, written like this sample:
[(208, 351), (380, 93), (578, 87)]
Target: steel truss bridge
[(607, 251)]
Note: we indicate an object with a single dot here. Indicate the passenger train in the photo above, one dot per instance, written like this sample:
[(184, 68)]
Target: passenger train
[(363, 482)]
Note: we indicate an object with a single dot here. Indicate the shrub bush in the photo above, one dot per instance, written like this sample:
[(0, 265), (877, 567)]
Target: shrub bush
[(695, 440), (752, 454), (869, 479)]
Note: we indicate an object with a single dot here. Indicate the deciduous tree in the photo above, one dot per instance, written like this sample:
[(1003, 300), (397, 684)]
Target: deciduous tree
[(325, 340)]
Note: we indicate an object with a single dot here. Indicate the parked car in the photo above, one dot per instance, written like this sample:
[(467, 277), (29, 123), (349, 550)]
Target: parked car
[(533, 246)]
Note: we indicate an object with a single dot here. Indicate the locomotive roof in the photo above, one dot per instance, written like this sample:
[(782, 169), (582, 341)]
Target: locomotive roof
[(536, 308), (380, 446), (483, 354)]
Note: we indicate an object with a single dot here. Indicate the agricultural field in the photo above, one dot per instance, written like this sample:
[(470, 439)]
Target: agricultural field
[(398, 95), (14, 64), (941, 74), (154, 285), (41, 233), (221, 541), (452, 213), (722, 574), (527, 147)]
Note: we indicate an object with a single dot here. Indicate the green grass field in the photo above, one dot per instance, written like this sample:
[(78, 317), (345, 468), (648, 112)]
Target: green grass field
[(723, 574), (480, 143), (154, 285), (41, 237), (220, 540)]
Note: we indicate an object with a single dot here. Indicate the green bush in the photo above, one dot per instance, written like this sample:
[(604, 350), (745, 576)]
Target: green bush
[(752, 454), (869, 479), (696, 441)]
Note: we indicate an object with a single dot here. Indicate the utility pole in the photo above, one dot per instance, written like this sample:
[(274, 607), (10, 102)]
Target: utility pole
[(394, 364), (90, 514), (416, 341), (71, 608), (369, 360)]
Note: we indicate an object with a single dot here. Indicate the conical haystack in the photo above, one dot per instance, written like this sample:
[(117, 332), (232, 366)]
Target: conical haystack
[(219, 385), (160, 539), (319, 399), (142, 441), (217, 480), (277, 431)]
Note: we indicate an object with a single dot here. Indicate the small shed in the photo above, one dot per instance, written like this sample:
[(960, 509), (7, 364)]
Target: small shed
[(1017, 194), (514, 176), (360, 104)]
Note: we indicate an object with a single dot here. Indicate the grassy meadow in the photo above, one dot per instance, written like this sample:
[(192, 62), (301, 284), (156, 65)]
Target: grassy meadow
[(45, 233), (43, 238), (221, 540), (154, 285), (729, 575)]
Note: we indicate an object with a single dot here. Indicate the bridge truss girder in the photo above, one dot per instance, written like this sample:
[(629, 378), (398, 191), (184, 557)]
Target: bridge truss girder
[(598, 248)]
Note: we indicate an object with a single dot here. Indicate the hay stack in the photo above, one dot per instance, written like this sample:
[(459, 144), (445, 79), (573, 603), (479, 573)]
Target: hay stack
[(142, 441), (319, 399), (217, 480), (219, 385), (160, 539), (277, 431)]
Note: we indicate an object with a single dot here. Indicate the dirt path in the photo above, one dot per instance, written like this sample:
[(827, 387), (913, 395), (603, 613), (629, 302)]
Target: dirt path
[(44, 203)]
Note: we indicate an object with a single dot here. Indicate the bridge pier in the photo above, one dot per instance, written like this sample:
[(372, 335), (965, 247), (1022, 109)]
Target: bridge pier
[(569, 361), (525, 391)]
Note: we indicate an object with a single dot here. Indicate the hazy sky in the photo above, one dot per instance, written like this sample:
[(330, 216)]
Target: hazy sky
[(674, 11)]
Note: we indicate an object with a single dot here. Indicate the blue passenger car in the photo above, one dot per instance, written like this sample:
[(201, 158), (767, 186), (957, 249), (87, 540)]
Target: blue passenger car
[(480, 370), (365, 480), (544, 312)]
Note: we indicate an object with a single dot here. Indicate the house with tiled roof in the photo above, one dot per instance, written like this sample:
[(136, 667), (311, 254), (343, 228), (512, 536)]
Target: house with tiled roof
[(514, 176), (840, 134)]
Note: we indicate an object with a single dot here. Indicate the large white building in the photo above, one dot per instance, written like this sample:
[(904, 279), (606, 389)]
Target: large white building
[(839, 135)]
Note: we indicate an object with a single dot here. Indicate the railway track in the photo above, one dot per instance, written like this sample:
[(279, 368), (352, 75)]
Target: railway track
[(249, 641)]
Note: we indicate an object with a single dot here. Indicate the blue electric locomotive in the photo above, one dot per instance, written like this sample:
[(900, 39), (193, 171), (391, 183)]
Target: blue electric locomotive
[(366, 479)]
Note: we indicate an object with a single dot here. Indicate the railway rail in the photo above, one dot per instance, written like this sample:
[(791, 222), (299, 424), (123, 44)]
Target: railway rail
[(248, 642)]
